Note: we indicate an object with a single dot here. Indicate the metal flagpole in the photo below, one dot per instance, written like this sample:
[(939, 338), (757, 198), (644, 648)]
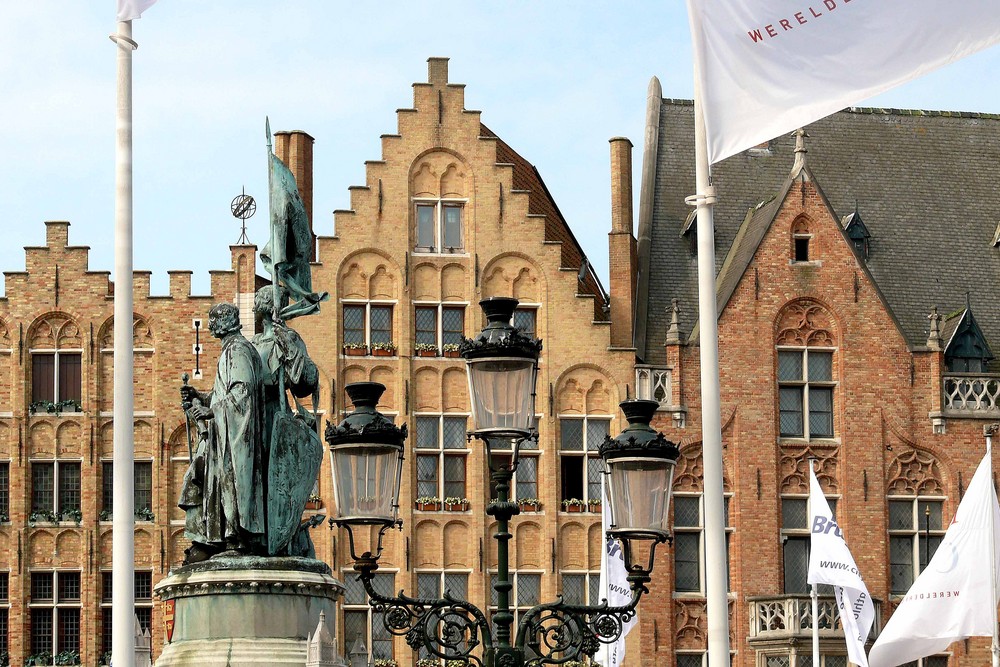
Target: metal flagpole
[(716, 562), (812, 592), (123, 542), (988, 431)]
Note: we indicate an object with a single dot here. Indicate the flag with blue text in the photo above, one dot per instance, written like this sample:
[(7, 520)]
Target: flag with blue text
[(613, 586), (831, 562), (953, 597), (767, 67), (132, 9)]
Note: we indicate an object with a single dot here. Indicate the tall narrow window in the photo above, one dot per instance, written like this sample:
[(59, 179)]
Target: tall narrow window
[(360, 621), (795, 543), (915, 532), (432, 585), (4, 492), (805, 393), (441, 450), (55, 487), (55, 612), (580, 465), (367, 325), (439, 326), (439, 226), (56, 376), (142, 490), (143, 591), (689, 543), (524, 487)]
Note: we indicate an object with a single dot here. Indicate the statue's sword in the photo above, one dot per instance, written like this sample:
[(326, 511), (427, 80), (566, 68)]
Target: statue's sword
[(187, 420)]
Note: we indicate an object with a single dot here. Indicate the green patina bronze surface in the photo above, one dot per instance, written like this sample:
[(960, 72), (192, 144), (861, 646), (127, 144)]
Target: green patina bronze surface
[(258, 452)]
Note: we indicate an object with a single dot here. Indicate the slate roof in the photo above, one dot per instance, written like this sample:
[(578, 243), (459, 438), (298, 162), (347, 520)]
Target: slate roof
[(926, 183)]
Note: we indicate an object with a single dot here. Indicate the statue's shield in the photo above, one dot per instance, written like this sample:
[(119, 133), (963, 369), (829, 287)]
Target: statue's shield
[(296, 455)]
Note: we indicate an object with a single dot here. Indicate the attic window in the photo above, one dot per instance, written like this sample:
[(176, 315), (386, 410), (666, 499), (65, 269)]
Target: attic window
[(800, 241), (967, 350), (858, 233)]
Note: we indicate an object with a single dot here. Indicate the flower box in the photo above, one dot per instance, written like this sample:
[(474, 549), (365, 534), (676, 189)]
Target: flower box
[(356, 351), (594, 507), (428, 504), (313, 504), (573, 505), (456, 504), (382, 352), (427, 353), (450, 350), (530, 506)]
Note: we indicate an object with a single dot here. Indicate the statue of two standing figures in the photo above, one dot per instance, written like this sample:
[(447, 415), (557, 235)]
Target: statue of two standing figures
[(258, 451)]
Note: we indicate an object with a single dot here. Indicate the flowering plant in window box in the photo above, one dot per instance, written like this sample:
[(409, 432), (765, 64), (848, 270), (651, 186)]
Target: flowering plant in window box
[(594, 504), (573, 505), (69, 405), (76, 516), (144, 514), (4, 658), (4, 518), (575, 663), (428, 662), (105, 515), (426, 349), (529, 504), (386, 662), (355, 349), (450, 350), (40, 658), (456, 504), (314, 502), (105, 658), (457, 663), (42, 406), (383, 349), (428, 503), (42, 516), (66, 658)]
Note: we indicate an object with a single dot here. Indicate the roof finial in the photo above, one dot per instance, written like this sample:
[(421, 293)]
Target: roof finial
[(674, 332), (968, 299), (934, 337), (800, 150)]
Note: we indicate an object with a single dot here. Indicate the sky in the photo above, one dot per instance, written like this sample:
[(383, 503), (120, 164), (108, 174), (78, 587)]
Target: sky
[(555, 79)]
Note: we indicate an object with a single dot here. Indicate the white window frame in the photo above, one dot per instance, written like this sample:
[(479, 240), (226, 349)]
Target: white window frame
[(55, 604), (804, 385), (56, 507), (588, 577), (439, 322), (649, 379), (55, 371), (440, 451), (515, 608), (140, 603), (916, 534), (366, 607), (392, 303), (700, 531), (586, 452), (439, 205)]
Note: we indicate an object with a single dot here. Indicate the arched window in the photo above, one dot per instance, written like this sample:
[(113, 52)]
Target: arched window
[(806, 354)]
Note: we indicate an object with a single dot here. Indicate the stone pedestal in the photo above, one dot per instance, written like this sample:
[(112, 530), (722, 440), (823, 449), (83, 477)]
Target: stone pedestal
[(242, 610)]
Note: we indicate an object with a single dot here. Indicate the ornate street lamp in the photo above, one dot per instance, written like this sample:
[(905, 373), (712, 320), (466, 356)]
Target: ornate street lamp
[(367, 450)]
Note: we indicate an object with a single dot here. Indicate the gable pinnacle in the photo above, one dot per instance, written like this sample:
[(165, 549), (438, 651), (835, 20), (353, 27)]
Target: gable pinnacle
[(934, 337), (800, 150), (674, 332)]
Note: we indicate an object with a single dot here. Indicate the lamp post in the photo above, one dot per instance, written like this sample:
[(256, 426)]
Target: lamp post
[(367, 452)]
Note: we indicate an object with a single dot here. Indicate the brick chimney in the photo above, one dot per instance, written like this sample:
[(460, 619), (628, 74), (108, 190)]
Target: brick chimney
[(622, 245), (295, 149)]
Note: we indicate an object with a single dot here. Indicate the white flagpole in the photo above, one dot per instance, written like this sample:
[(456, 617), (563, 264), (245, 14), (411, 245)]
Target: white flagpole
[(995, 645), (711, 415), (815, 598), (123, 541)]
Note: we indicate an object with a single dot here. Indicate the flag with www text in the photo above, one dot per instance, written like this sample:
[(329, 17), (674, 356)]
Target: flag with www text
[(831, 562), (614, 587), (953, 598), (132, 9), (767, 67)]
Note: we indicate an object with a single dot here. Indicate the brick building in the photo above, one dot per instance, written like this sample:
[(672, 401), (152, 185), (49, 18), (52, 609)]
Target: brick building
[(448, 215), (856, 272)]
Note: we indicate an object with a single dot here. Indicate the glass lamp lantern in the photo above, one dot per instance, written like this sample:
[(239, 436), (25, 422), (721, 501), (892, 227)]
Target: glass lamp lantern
[(502, 364), (366, 455), (640, 464)]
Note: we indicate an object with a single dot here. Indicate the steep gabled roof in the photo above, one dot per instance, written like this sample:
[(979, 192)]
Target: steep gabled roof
[(927, 183), (540, 202)]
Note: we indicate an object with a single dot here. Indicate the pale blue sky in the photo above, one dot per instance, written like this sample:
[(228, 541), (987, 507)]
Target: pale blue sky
[(555, 79)]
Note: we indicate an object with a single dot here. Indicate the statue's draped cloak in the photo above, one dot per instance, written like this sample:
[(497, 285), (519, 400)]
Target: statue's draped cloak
[(226, 478)]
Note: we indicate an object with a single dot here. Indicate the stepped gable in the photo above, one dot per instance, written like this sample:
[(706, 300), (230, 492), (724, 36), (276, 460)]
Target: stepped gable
[(925, 183), (540, 202)]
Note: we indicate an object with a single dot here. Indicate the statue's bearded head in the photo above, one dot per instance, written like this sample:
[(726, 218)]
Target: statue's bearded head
[(223, 319)]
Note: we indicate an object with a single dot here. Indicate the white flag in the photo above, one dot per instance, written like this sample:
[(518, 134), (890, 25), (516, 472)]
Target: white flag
[(831, 562), (953, 597), (132, 9), (767, 67), (614, 587)]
